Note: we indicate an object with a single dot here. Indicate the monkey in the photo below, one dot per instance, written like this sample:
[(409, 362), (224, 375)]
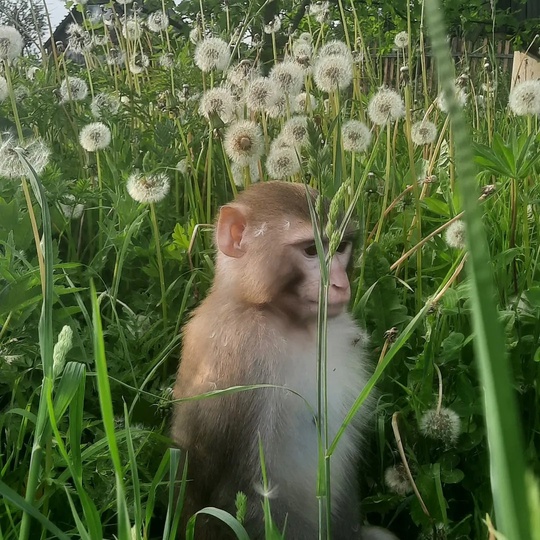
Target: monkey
[(258, 325)]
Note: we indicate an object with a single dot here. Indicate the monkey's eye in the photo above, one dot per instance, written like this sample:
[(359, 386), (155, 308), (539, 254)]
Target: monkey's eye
[(310, 251), (343, 246)]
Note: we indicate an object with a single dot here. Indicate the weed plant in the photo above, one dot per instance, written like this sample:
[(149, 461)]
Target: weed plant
[(115, 154)]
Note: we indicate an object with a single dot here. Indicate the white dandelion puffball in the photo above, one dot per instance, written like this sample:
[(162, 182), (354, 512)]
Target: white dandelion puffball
[(455, 235), (305, 102), (212, 53), (4, 91), (240, 172), (131, 30), (333, 73), (386, 106), (220, 102), (244, 142), (31, 73), (279, 108), (459, 94), (138, 63), (273, 26), (95, 136), (401, 41), (282, 162), (242, 73), (104, 105), (11, 43), (289, 77), (424, 132), (73, 89), (70, 208), (335, 48), (182, 166), (397, 480), (355, 136), (525, 98), (302, 52), (261, 93), (157, 21), (443, 425), (294, 132), (306, 37), (35, 151), (148, 188), (166, 60)]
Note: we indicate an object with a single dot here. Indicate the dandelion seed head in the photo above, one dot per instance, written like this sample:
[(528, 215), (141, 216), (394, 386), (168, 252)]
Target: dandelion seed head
[(261, 93), (31, 73), (302, 53), (104, 105), (355, 136), (333, 72), (138, 63), (124, 2), (212, 53), (131, 29), (443, 425), (218, 101), (244, 142), (282, 162), (294, 132), (166, 60), (148, 188), (195, 35), (278, 108), (423, 132), (239, 173), (182, 166), (302, 99), (455, 234), (524, 98), (242, 73), (288, 75), (459, 94), (34, 150), (320, 11), (70, 208), (95, 136), (21, 92), (397, 480), (11, 43), (306, 37), (401, 41), (79, 39), (73, 89), (115, 57), (4, 91), (273, 26), (386, 106), (335, 48), (157, 21)]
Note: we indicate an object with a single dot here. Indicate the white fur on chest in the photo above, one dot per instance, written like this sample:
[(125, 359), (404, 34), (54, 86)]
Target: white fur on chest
[(294, 446)]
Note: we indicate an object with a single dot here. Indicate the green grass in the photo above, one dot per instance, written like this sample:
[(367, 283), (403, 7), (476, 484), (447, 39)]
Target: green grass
[(85, 451)]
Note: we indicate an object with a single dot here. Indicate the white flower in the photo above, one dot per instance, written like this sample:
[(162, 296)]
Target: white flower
[(443, 425), (71, 209), (11, 43), (273, 26), (148, 188), (423, 132), (333, 72), (138, 63), (459, 94), (132, 30), (212, 53), (104, 104), (294, 132), (95, 136), (386, 106), (34, 150), (239, 173), (282, 162), (261, 93), (288, 76), (244, 142), (218, 101), (73, 89), (301, 102), (355, 136), (157, 21), (455, 235), (401, 40), (525, 98), (4, 91)]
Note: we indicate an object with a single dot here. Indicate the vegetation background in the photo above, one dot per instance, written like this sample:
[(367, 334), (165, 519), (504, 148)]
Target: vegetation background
[(84, 425)]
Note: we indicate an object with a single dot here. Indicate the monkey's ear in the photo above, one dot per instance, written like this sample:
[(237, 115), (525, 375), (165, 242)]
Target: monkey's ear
[(230, 231)]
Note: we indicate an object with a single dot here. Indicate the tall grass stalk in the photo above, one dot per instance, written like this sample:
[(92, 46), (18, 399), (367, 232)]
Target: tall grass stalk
[(502, 421)]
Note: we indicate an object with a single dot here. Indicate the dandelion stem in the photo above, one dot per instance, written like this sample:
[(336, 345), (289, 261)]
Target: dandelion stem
[(159, 263)]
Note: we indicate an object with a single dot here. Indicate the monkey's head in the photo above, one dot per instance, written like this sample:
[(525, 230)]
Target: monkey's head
[(267, 254)]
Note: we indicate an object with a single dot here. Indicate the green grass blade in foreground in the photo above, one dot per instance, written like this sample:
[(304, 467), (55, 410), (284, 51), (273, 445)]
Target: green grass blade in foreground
[(503, 426), (225, 517), (107, 413)]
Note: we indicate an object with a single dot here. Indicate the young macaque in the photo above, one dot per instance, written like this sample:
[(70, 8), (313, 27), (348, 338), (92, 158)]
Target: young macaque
[(258, 325)]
